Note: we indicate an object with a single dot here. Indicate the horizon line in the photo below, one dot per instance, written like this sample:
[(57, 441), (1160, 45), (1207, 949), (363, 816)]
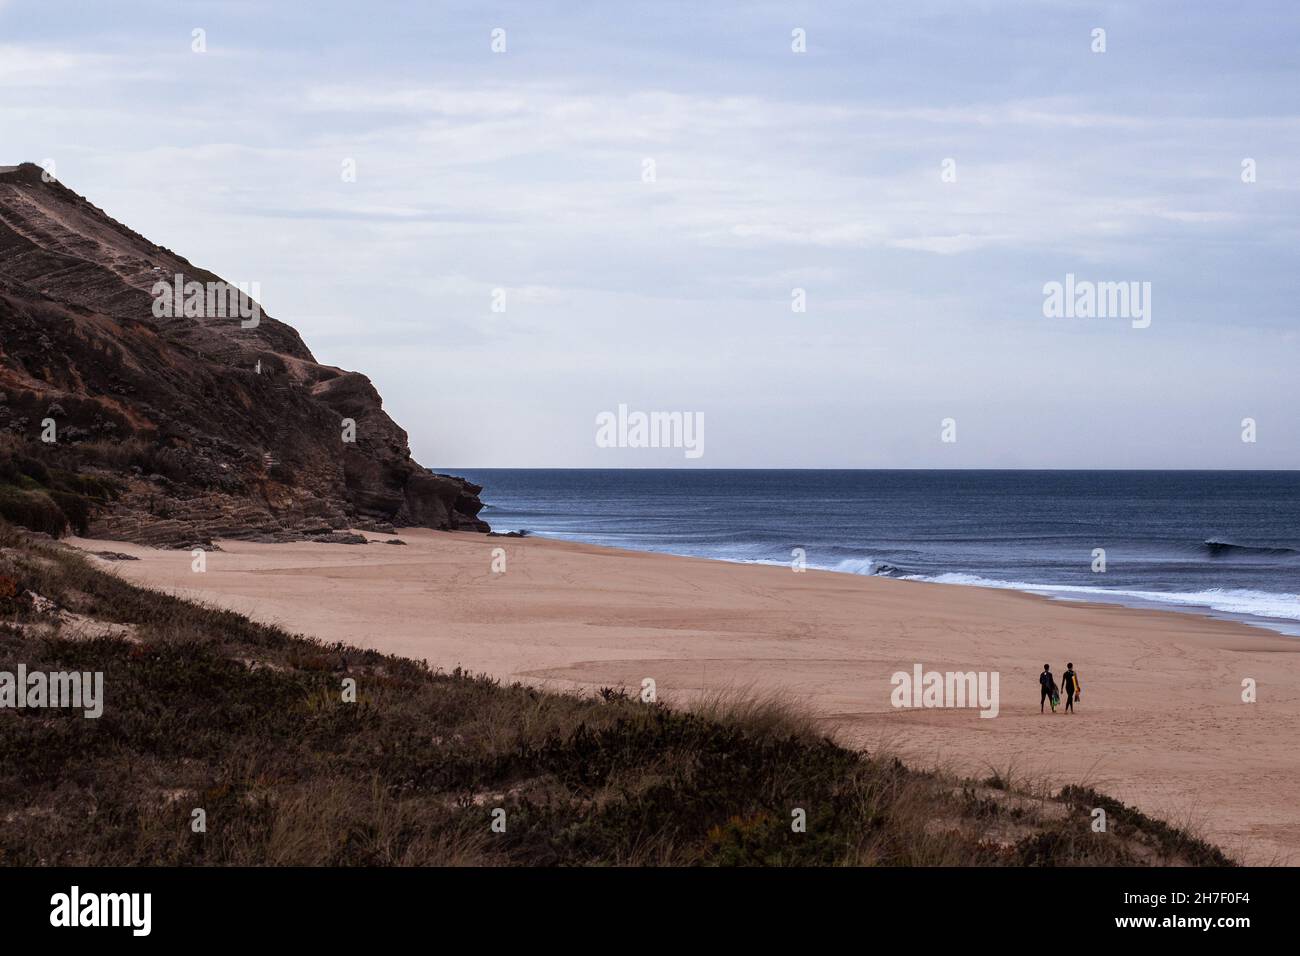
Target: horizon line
[(443, 469)]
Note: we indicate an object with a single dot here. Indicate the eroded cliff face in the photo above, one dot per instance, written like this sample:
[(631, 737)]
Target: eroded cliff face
[(176, 429)]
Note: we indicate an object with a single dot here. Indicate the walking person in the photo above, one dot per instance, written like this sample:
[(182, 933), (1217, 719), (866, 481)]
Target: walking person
[(1071, 685), (1047, 684)]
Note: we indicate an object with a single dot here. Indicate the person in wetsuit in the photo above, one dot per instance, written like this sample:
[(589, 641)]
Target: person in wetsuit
[(1069, 684), (1047, 684)]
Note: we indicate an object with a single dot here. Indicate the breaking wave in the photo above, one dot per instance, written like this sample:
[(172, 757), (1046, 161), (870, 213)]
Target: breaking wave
[(1228, 600)]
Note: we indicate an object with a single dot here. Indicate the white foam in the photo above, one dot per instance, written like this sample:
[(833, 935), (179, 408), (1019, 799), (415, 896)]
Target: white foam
[(856, 566), (1228, 600)]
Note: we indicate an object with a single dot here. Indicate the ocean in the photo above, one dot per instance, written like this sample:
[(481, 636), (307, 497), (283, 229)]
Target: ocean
[(1223, 543)]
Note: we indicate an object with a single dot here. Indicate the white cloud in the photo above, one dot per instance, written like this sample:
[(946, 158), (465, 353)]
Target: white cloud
[(945, 245)]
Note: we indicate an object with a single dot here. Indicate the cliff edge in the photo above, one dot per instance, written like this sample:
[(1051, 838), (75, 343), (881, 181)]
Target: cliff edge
[(145, 399)]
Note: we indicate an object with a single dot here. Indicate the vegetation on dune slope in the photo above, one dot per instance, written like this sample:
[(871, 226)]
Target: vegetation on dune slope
[(45, 497), (205, 709)]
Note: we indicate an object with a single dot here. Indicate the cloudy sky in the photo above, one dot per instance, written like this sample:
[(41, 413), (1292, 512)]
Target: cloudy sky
[(773, 170)]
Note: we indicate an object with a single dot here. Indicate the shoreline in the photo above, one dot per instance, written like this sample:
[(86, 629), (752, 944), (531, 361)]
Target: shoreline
[(1161, 725), (1287, 627)]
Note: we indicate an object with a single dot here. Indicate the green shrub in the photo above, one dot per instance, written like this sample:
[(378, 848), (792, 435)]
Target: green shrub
[(42, 496), (32, 509), (75, 508)]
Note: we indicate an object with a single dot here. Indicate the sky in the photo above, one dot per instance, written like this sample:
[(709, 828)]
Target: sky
[(619, 206)]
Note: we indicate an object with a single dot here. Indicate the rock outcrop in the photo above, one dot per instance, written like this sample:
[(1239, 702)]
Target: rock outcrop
[(177, 428)]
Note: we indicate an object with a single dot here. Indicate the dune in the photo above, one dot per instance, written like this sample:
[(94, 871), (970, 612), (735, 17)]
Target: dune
[(1162, 724)]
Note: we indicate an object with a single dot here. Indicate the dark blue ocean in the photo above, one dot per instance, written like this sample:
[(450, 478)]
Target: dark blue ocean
[(1225, 543)]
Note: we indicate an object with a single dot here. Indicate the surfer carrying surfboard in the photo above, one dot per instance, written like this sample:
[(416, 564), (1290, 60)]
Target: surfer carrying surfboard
[(1072, 686)]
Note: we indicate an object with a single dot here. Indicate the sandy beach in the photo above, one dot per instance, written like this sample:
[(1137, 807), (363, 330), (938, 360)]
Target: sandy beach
[(1162, 724)]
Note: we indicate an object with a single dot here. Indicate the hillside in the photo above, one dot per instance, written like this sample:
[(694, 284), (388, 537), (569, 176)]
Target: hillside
[(176, 429)]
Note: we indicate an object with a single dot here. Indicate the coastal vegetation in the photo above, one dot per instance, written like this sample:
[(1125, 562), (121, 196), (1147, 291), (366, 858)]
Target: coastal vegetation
[(289, 751)]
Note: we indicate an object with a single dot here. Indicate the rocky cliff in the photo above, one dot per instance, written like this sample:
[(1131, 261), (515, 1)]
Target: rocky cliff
[(172, 417)]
